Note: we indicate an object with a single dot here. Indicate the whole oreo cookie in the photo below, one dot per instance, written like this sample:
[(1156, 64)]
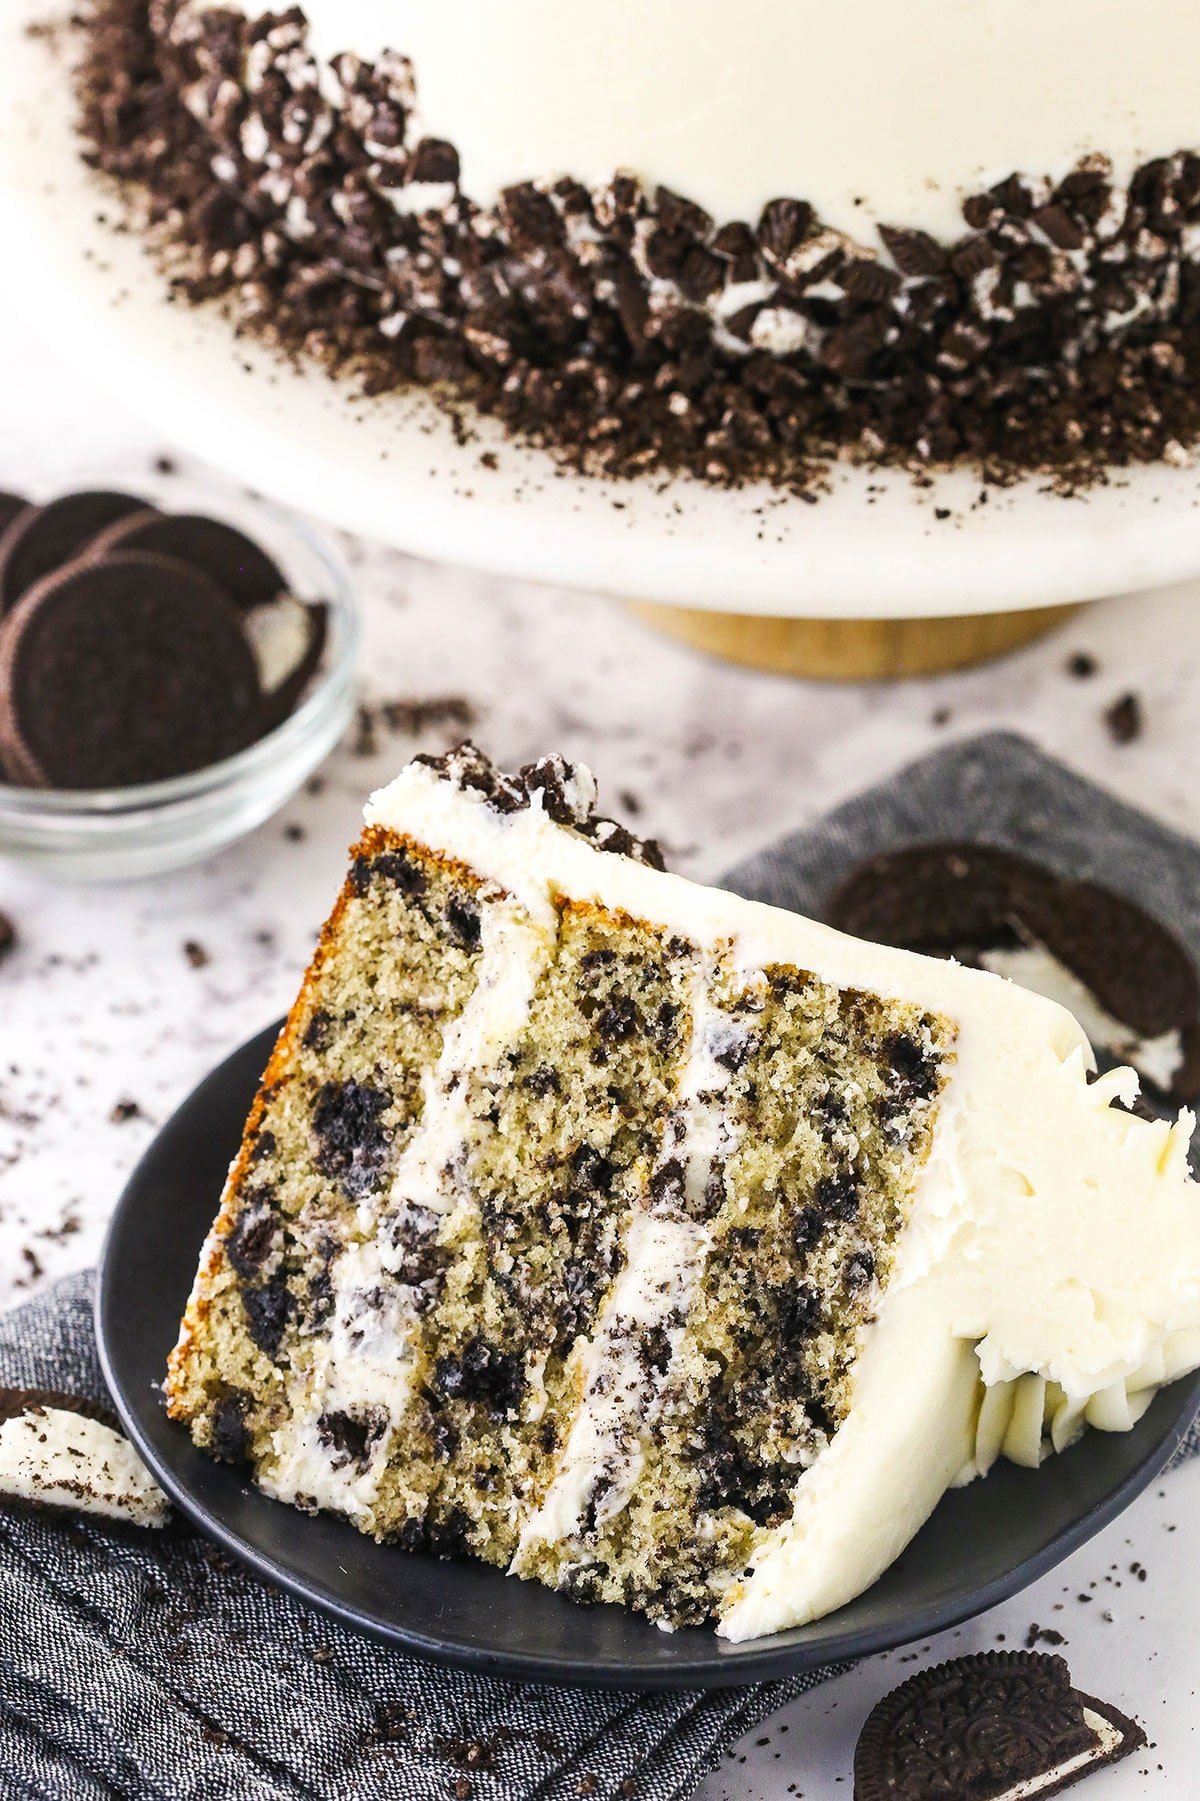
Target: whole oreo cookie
[(995, 1727), (245, 571), (131, 670), (41, 539), (988, 906)]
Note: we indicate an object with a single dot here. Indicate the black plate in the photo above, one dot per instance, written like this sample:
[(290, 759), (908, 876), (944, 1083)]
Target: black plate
[(983, 1543)]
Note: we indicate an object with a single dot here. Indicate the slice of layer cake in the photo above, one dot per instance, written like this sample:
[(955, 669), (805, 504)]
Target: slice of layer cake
[(664, 1247)]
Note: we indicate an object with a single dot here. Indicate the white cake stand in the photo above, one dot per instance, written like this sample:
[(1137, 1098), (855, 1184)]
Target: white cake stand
[(929, 577)]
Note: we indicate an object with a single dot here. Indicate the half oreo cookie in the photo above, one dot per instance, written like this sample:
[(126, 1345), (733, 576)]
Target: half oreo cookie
[(1124, 976), (1002, 1726), (63, 1451)]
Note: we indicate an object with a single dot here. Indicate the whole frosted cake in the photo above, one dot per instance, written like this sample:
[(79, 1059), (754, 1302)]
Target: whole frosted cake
[(735, 240), (663, 1247)]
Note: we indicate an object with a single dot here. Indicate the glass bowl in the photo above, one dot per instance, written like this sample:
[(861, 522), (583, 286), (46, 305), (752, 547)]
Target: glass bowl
[(110, 834)]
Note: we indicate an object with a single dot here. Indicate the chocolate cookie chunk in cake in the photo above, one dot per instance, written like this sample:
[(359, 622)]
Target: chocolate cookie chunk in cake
[(1128, 981), (41, 539), (998, 1727), (131, 670), (239, 566), (64, 1451)]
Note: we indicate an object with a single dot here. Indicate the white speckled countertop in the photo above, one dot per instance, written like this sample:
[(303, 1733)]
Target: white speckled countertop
[(116, 1000)]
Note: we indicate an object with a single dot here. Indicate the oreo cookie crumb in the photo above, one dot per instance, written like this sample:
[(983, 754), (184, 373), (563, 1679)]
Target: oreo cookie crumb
[(1124, 719)]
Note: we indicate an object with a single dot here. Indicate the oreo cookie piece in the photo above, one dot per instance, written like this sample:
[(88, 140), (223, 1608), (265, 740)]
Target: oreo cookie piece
[(10, 506), (126, 671), (65, 1452), (1128, 981), (245, 572), (997, 1727), (288, 639), (41, 539)]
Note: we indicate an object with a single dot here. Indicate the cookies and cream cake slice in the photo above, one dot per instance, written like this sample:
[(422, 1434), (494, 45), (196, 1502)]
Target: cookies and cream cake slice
[(661, 1246)]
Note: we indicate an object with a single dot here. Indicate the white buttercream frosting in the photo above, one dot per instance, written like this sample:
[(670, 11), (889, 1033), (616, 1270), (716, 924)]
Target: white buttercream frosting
[(887, 110), (1050, 1273), (52, 1457)]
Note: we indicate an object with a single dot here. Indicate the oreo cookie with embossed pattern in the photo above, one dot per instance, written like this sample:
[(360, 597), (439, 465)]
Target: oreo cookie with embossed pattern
[(996, 1727), (41, 539), (231, 559), (132, 670)]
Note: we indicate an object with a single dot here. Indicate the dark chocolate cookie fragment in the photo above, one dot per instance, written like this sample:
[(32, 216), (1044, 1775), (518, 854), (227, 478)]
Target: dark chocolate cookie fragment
[(131, 670), (993, 1727), (980, 903), (930, 897), (41, 539), (10, 506), (244, 571)]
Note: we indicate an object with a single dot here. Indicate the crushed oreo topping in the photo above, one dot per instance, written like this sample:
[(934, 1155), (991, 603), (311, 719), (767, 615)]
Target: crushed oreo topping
[(1057, 332), (565, 792)]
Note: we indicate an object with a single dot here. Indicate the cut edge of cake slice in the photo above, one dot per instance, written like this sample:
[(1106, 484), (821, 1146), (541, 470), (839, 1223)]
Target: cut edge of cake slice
[(985, 1252)]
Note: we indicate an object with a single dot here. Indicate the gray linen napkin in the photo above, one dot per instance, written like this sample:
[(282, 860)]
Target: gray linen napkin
[(147, 1665)]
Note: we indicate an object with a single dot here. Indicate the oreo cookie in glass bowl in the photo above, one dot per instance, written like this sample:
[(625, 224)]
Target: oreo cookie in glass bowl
[(171, 684)]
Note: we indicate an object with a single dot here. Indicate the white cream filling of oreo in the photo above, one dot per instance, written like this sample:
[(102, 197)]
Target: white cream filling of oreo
[(1108, 1737), (52, 1457), (280, 632), (1051, 1235)]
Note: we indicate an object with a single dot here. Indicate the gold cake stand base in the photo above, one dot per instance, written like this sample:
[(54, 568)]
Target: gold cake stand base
[(845, 650)]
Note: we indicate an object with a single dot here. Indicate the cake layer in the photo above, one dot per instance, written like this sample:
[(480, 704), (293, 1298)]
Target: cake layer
[(888, 110), (664, 1247)]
